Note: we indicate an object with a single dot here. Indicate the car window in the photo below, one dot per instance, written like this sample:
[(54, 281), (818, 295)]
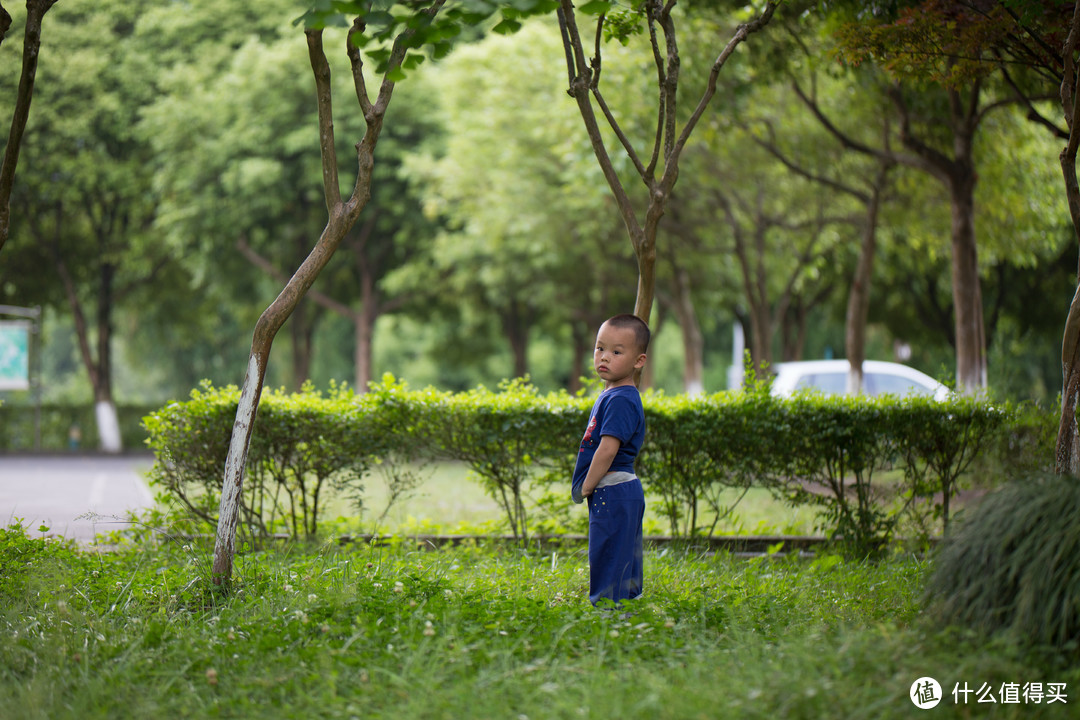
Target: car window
[(882, 383), (833, 383)]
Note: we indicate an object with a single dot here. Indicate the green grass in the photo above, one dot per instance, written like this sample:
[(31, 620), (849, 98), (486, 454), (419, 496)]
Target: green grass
[(474, 632)]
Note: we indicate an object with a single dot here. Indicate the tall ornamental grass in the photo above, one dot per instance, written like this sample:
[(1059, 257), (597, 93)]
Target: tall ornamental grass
[(1013, 566)]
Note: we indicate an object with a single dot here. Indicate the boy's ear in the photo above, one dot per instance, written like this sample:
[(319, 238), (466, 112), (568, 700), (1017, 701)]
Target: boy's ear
[(640, 362)]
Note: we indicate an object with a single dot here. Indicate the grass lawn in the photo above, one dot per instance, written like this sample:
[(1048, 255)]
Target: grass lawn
[(476, 632)]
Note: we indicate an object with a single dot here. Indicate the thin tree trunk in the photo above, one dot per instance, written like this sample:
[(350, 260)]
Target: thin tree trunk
[(693, 342), (104, 405), (858, 309), (302, 333), (1067, 452), (365, 324), (516, 329), (342, 217), (363, 328), (35, 13), (580, 342), (967, 294)]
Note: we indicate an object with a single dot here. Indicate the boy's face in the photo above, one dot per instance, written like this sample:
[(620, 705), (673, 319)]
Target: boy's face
[(616, 355)]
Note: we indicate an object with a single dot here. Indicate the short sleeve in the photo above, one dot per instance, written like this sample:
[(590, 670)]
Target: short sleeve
[(620, 419)]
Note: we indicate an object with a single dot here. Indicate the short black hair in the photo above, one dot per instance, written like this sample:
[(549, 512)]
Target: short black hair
[(642, 334)]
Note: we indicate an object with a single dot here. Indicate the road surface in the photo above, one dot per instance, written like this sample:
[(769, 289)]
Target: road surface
[(76, 496)]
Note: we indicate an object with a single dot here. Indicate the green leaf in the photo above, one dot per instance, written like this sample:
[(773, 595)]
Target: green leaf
[(380, 18), (506, 27), (412, 61), (596, 7)]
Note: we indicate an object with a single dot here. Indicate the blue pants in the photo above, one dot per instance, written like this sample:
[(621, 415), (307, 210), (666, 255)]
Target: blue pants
[(616, 542)]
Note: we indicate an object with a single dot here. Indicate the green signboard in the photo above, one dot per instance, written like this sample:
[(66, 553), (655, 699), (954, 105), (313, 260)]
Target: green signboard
[(15, 355)]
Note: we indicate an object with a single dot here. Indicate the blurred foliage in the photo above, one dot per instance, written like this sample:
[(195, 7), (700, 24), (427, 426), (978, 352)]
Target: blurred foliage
[(1014, 565), (489, 220)]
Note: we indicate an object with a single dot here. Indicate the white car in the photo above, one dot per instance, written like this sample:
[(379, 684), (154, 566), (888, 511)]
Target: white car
[(830, 377)]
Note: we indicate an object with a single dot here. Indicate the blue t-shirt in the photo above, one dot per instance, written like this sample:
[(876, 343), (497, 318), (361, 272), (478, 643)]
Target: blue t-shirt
[(617, 412)]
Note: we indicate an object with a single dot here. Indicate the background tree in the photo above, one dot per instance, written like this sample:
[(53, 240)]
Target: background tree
[(946, 45), (253, 191), (526, 217), (821, 161), (83, 206), (659, 169)]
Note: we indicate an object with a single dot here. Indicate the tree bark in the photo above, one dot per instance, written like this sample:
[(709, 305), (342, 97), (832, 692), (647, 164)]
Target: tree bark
[(98, 365), (35, 13), (858, 308), (1067, 452), (693, 342), (580, 341), (302, 334), (967, 292), (515, 325)]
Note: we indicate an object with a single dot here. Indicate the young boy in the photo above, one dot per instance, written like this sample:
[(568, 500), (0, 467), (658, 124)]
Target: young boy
[(604, 473)]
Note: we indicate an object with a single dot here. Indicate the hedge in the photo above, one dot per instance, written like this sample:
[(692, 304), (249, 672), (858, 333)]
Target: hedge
[(832, 452)]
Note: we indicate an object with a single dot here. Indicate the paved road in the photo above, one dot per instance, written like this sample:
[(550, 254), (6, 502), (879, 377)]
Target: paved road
[(76, 496)]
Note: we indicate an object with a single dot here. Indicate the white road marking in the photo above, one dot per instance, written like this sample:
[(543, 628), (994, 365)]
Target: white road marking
[(97, 490)]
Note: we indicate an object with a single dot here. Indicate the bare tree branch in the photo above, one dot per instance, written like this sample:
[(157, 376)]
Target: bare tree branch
[(579, 90), (320, 68), (743, 32), (594, 88), (773, 149)]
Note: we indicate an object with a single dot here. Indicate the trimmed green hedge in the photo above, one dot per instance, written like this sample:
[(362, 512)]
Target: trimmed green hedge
[(304, 444), (866, 462)]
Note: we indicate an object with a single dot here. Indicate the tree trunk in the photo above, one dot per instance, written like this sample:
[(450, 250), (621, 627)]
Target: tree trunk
[(35, 13), (302, 333), (265, 331), (1067, 453), (104, 406), (516, 328), (99, 368), (967, 292), (580, 342), (342, 217), (693, 342), (858, 308), (365, 325), (793, 331)]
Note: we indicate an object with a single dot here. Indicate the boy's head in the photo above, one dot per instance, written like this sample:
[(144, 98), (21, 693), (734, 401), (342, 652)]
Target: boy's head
[(621, 343), (642, 334)]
